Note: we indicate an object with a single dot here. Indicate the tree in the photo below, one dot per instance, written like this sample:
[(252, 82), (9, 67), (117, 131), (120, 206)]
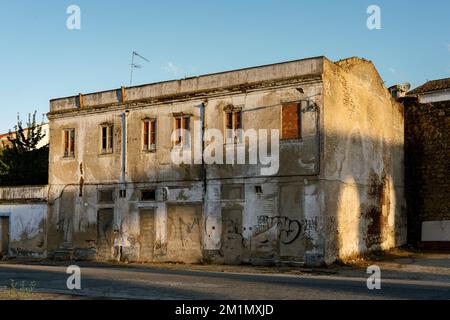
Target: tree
[(22, 162)]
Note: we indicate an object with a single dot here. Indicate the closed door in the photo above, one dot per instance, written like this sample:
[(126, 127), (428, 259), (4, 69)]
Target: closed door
[(291, 240), (4, 234), (147, 234), (184, 234), (105, 233), (232, 240)]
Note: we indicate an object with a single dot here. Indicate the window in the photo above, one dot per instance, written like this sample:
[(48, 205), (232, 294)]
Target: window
[(233, 125), (148, 195), (107, 132), (291, 121), (69, 142), (149, 134), (183, 136), (106, 196)]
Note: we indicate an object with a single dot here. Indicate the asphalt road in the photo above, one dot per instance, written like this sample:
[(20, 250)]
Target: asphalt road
[(159, 283)]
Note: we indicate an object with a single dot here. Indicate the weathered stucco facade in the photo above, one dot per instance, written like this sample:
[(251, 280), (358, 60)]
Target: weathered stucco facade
[(338, 191)]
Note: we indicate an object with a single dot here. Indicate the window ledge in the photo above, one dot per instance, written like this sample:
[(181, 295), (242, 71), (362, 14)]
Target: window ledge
[(183, 148), (291, 141), (106, 154), (149, 150), (239, 144)]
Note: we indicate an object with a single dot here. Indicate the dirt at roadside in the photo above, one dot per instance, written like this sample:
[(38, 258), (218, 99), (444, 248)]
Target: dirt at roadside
[(11, 294)]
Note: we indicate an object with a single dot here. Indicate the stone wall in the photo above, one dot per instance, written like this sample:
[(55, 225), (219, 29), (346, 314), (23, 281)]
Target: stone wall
[(427, 147)]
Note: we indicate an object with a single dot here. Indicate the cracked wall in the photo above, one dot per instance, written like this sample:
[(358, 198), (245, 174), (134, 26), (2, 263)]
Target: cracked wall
[(363, 161), (27, 229), (338, 191)]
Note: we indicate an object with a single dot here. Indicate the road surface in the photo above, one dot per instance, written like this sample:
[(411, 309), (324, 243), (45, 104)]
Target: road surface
[(112, 282)]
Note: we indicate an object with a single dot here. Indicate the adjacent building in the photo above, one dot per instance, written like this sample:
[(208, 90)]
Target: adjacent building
[(4, 141), (427, 148)]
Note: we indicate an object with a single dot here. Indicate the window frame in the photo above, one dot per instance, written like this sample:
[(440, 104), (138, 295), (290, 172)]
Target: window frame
[(233, 120), (106, 142), (182, 121), (69, 139), (149, 134)]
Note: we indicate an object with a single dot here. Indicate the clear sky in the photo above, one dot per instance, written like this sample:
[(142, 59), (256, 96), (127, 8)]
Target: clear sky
[(41, 59)]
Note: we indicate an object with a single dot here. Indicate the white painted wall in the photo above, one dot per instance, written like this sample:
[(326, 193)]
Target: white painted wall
[(27, 223), (436, 231), (435, 97)]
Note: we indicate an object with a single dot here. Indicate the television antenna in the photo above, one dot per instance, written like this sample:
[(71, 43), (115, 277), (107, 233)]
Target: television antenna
[(134, 65)]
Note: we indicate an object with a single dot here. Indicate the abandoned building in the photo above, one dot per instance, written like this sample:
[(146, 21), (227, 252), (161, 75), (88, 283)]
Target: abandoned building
[(115, 193), (427, 150)]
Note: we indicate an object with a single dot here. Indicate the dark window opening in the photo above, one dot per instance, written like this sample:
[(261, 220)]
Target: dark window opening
[(148, 195)]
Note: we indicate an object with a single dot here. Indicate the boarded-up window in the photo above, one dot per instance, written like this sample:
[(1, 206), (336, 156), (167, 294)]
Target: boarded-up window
[(291, 121), (233, 192), (106, 196)]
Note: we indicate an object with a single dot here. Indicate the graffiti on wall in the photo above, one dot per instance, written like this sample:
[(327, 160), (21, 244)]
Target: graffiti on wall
[(288, 229)]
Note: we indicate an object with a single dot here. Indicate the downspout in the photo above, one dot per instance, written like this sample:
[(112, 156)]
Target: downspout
[(124, 150), (123, 190), (202, 141), (204, 195)]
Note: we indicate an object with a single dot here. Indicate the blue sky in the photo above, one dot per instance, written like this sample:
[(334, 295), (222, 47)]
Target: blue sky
[(41, 59)]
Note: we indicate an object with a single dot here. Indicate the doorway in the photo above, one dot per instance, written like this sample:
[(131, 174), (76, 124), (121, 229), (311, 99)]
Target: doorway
[(105, 234), (4, 235), (147, 234)]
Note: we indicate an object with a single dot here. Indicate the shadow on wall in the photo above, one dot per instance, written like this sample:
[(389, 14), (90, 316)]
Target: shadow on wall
[(364, 196), (427, 164)]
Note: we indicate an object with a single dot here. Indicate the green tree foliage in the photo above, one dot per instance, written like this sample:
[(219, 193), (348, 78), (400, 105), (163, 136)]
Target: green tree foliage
[(21, 162)]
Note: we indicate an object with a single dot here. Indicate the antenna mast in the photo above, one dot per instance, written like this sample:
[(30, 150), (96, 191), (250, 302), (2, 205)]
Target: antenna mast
[(134, 65)]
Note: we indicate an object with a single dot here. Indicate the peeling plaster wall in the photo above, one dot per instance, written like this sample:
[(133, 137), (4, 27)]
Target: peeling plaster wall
[(338, 191), (27, 223), (187, 220), (362, 180)]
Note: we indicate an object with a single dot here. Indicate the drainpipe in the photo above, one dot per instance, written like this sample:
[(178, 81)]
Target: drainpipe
[(202, 141), (122, 191), (124, 149)]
